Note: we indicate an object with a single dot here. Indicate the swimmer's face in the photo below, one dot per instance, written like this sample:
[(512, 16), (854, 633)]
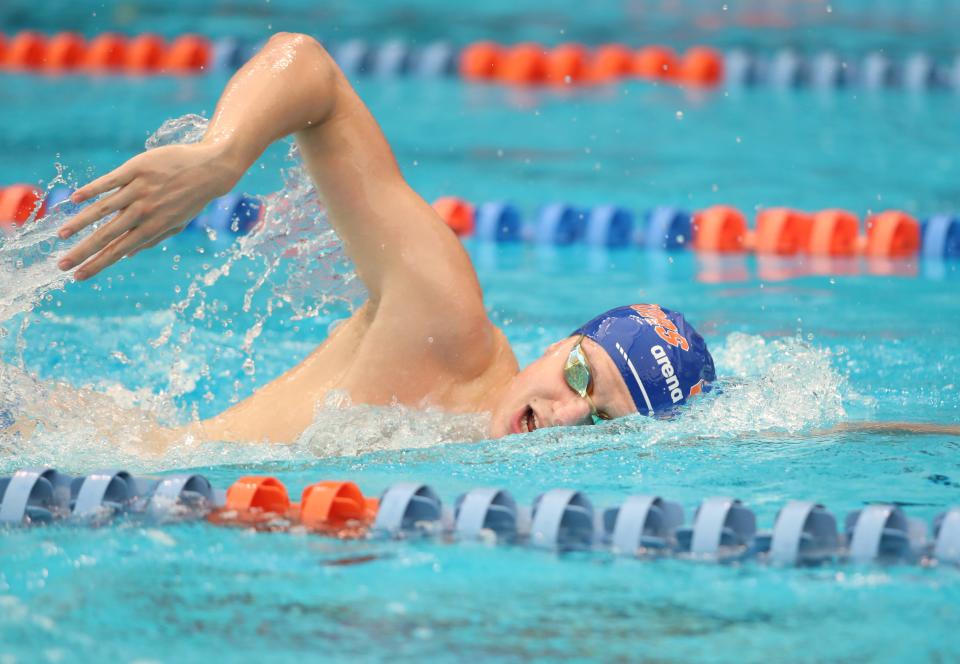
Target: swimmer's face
[(539, 396)]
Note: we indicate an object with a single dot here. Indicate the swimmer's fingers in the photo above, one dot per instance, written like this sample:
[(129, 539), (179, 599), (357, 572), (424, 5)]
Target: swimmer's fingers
[(120, 247), (102, 237), (98, 210), (115, 178)]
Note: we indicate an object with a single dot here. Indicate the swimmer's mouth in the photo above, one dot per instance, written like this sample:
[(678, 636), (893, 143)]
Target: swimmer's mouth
[(527, 422)]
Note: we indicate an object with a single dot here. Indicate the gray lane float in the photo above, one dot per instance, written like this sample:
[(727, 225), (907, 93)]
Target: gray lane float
[(723, 528), (562, 519), (804, 533), (642, 524), (181, 496), (102, 494), (883, 533), (946, 532), (44, 495), (407, 508), (33, 495), (488, 509)]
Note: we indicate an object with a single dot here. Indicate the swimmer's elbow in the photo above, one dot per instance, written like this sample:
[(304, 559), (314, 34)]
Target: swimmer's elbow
[(302, 46)]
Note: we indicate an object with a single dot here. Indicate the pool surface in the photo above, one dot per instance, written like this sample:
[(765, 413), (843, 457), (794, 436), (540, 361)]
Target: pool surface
[(171, 334)]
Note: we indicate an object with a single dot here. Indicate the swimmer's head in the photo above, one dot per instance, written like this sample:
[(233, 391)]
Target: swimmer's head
[(640, 358)]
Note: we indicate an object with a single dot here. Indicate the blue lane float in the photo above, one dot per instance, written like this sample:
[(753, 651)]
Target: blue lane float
[(668, 228), (609, 226), (559, 224), (827, 70), (940, 237), (498, 221), (232, 214), (723, 529)]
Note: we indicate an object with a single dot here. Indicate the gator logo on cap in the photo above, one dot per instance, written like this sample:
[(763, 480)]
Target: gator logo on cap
[(696, 389), (665, 328)]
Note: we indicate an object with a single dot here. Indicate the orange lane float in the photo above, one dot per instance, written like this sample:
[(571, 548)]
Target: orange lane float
[(610, 62), (834, 233), (523, 64), (331, 508), (457, 213), (337, 507), (567, 64), (655, 63), (65, 51), (782, 231), (892, 234), (701, 66), (189, 53), (719, 229), (18, 203), (145, 54), (25, 51), (480, 61), (106, 52)]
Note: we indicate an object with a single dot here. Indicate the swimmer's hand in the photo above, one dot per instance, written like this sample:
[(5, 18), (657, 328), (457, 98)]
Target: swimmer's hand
[(155, 195)]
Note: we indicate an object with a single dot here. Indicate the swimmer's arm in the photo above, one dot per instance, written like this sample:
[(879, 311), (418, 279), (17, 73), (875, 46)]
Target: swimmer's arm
[(914, 428), (398, 243)]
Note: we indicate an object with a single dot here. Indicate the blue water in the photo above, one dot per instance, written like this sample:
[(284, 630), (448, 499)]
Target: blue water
[(808, 351)]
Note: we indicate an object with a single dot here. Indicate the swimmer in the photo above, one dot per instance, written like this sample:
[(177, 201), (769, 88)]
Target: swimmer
[(423, 338)]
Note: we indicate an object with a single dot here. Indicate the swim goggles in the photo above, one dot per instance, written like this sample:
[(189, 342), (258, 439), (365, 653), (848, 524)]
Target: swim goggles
[(576, 371)]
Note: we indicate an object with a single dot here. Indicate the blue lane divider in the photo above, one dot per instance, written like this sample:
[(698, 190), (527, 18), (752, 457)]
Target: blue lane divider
[(828, 70), (560, 520), (784, 68), (664, 228)]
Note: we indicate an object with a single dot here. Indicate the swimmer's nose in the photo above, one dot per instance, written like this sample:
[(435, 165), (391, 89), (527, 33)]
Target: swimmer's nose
[(571, 411)]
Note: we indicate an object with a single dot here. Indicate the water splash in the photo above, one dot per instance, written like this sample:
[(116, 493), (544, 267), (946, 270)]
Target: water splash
[(28, 257), (768, 389), (299, 263), (300, 272)]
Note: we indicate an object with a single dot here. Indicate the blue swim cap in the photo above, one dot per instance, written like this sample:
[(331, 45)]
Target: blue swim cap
[(663, 360)]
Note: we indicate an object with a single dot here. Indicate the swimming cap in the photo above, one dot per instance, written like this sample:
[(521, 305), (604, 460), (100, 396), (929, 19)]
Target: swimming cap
[(663, 360)]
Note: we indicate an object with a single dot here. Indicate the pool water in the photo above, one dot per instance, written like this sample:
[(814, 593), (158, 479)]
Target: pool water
[(801, 350)]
